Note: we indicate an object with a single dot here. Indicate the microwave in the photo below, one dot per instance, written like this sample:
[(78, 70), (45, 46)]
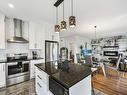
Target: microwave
[(57, 88)]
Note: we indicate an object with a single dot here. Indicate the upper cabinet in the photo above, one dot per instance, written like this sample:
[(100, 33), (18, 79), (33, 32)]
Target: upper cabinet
[(25, 30), (36, 35), (9, 28), (2, 32), (50, 34)]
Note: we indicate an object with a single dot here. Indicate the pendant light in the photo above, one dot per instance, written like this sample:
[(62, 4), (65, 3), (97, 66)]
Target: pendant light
[(63, 23), (95, 27), (57, 26), (72, 19)]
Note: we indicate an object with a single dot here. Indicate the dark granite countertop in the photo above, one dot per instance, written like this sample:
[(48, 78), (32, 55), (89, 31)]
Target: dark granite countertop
[(35, 59), (5, 61), (67, 77)]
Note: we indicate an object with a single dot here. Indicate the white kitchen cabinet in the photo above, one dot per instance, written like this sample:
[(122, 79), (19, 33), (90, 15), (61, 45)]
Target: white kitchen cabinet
[(3, 75), (9, 28), (2, 32), (83, 87), (25, 30), (50, 34), (36, 35), (41, 82), (32, 67), (48, 31)]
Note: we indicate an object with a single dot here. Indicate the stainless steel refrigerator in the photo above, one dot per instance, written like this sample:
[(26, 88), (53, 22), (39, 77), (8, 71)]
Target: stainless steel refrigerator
[(51, 51)]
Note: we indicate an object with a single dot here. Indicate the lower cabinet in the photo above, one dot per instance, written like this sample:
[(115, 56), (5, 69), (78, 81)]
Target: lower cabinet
[(41, 82), (32, 67), (2, 75)]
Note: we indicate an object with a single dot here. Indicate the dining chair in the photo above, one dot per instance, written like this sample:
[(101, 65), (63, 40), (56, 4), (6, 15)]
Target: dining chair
[(114, 68), (79, 59)]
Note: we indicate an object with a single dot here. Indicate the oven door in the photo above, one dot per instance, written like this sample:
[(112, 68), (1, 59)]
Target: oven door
[(56, 88), (14, 68)]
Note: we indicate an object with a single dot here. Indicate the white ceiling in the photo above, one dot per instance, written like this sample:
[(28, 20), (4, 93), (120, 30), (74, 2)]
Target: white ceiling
[(110, 16)]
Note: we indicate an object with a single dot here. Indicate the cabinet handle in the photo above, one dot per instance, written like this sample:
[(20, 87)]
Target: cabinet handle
[(39, 77), (39, 85)]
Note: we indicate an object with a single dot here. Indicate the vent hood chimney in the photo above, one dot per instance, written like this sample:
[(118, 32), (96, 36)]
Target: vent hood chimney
[(17, 33)]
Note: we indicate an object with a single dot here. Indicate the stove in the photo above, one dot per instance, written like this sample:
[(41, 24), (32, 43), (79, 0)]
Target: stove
[(17, 68), (17, 57)]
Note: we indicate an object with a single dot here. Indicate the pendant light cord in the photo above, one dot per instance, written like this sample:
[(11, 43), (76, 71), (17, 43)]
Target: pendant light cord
[(95, 32), (63, 10), (72, 7), (56, 15)]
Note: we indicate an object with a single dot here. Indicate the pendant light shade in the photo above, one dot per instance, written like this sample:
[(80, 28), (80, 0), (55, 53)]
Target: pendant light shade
[(57, 26), (72, 19), (63, 23)]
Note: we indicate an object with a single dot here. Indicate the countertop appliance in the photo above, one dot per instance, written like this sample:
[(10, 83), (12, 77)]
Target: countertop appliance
[(17, 68), (35, 55), (56, 88), (51, 51)]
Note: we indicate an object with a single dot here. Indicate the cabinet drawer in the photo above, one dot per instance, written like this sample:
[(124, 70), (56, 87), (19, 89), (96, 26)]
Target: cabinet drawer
[(40, 89), (40, 74), (44, 85)]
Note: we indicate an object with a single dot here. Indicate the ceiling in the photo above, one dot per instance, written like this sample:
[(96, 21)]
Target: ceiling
[(110, 16)]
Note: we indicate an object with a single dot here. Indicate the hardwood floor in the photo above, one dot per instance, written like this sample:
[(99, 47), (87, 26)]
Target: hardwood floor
[(113, 84), (27, 88)]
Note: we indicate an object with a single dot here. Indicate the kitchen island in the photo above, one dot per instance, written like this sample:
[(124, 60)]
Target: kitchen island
[(58, 78)]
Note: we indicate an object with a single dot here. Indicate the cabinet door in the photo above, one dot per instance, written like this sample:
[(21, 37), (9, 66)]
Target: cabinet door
[(36, 35), (32, 40), (42, 82), (32, 67), (2, 31), (2, 73), (49, 32), (39, 36), (25, 30)]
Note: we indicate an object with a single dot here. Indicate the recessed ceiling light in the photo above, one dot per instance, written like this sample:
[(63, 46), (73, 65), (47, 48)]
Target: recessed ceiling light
[(11, 5)]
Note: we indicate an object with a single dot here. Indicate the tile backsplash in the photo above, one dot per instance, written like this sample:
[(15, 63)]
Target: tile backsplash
[(17, 48)]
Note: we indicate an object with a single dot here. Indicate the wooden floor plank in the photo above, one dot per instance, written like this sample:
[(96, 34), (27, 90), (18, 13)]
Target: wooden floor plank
[(111, 85)]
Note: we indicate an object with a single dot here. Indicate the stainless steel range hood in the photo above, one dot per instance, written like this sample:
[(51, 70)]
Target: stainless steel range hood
[(17, 33)]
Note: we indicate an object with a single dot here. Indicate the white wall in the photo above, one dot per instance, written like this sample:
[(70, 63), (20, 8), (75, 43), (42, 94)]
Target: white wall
[(73, 43)]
